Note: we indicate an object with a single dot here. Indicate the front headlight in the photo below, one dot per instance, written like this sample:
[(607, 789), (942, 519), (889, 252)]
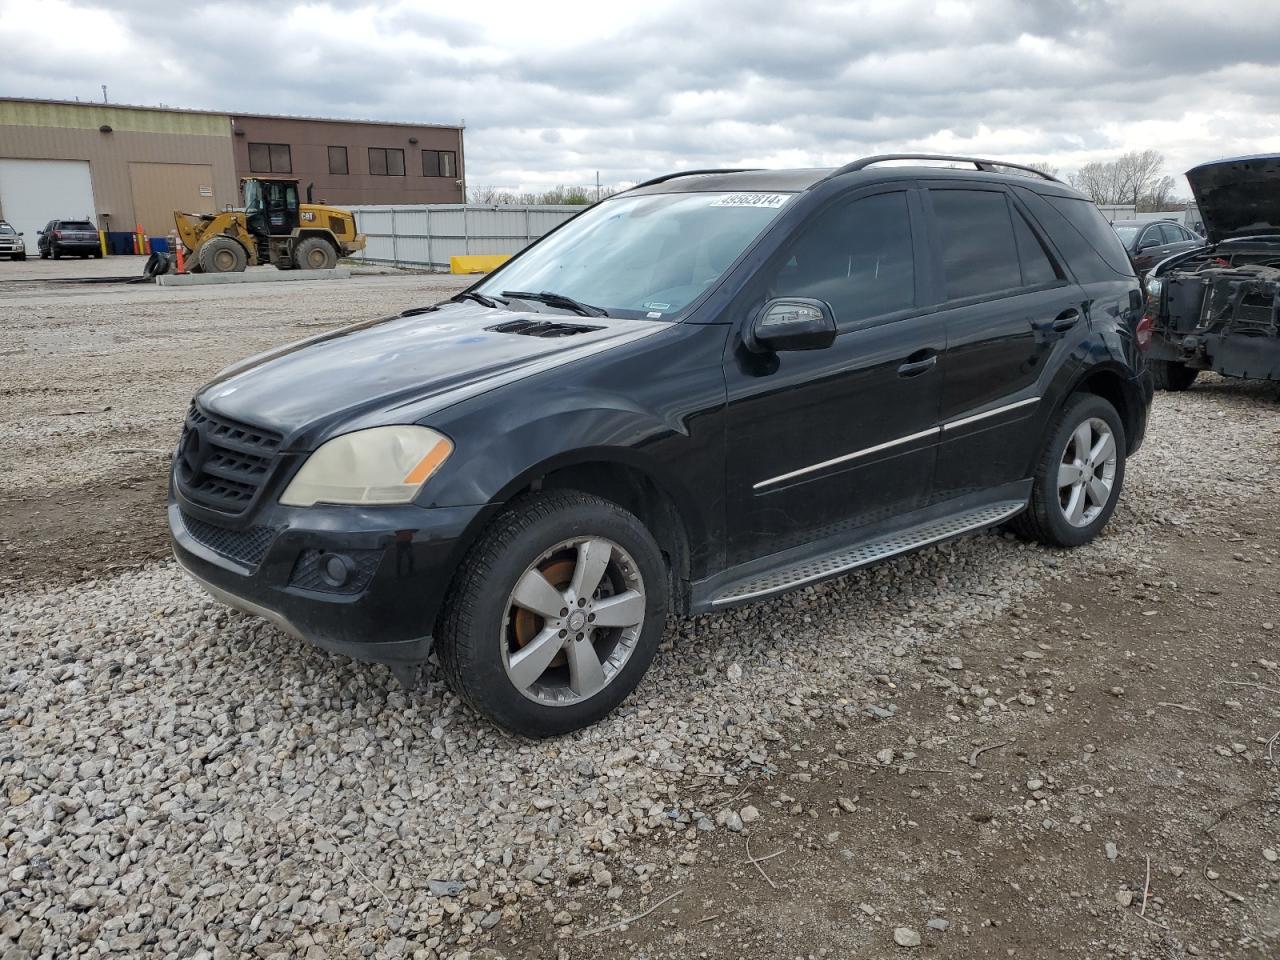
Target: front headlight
[(378, 465), (1154, 287)]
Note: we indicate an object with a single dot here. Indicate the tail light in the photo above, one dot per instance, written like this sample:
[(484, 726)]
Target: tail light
[(58, 234), (1142, 332)]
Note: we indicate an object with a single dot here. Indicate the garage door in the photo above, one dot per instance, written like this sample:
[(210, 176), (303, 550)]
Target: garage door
[(33, 192), (161, 188)]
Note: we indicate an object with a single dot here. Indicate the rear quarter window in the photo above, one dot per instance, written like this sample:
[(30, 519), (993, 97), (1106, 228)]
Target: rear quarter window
[(1093, 251), (76, 225)]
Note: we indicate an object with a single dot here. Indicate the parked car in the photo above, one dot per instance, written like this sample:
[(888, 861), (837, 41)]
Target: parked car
[(11, 243), (1217, 306), (79, 237), (1150, 241), (711, 389)]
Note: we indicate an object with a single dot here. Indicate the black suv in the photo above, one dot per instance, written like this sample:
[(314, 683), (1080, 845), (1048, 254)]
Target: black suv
[(713, 388), (79, 237), (1217, 306)]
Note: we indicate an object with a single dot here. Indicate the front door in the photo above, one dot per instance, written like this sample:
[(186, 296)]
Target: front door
[(821, 442)]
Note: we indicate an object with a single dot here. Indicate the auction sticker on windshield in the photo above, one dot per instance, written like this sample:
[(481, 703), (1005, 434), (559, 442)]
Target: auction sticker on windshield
[(772, 200)]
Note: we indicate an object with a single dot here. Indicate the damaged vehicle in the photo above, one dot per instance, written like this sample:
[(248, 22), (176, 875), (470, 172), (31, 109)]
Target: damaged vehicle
[(1218, 307)]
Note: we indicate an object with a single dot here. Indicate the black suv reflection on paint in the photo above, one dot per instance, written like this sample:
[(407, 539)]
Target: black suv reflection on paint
[(708, 390)]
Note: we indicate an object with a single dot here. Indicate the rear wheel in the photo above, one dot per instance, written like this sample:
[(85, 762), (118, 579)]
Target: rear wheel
[(57, 252), (1078, 477), (555, 615), (221, 255), (1172, 375), (315, 253), (97, 254)]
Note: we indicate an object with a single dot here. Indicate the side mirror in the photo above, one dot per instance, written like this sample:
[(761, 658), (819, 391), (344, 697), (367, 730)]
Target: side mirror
[(791, 323)]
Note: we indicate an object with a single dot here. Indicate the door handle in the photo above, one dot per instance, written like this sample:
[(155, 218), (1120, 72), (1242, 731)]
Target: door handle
[(1059, 324), (918, 363)]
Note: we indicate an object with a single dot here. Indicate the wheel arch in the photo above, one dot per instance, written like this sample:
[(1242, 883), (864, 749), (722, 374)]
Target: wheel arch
[(621, 477), (1118, 388), (306, 233)]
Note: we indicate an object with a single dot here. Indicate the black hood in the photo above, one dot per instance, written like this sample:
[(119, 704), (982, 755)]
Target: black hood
[(400, 368), (1239, 197)]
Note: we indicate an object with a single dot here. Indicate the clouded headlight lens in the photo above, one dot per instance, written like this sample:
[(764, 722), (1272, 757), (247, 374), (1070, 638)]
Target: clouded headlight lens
[(1154, 287), (379, 465)]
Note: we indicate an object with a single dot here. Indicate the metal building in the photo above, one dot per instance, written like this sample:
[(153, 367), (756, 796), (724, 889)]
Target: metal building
[(124, 165)]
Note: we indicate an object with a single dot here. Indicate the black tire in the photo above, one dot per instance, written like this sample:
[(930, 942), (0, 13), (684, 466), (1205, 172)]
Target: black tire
[(315, 253), (1172, 375), (56, 251), (221, 255), (44, 254), (97, 254), (1045, 520), (471, 630), (19, 256)]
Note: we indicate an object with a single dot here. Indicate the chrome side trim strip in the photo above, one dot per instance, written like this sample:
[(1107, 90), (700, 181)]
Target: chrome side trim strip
[(932, 431), (965, 421)]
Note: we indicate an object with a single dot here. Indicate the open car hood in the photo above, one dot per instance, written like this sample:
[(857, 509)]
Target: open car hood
[(1239, 197)]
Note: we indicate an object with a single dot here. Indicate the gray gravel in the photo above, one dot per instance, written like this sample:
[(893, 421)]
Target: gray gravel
[(184, 781)]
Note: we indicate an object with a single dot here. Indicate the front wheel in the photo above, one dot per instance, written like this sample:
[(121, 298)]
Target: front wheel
[(555, 614), (1078, 477), (1172, 375)]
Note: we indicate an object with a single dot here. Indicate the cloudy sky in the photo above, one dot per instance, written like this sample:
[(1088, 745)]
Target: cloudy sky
[(553, 91)]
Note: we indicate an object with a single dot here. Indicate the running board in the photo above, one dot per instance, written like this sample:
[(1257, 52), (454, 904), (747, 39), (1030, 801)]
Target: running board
[(849, 558)]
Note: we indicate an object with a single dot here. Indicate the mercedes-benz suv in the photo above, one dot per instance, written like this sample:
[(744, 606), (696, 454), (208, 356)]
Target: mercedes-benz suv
[(710, 389)]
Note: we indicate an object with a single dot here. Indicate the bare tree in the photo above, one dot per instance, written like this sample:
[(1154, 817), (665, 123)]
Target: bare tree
[(1131, 178)]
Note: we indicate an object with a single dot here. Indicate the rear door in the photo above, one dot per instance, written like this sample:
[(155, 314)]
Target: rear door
[(1008, 308)]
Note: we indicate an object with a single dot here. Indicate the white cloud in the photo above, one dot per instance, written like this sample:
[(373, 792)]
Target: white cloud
[(553, 92)]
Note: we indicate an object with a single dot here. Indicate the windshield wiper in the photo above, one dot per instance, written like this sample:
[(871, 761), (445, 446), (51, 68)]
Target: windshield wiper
[(552, 299), (479, 298)]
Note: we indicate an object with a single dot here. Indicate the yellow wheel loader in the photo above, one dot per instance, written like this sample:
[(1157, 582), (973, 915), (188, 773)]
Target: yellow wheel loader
[(272, 228)]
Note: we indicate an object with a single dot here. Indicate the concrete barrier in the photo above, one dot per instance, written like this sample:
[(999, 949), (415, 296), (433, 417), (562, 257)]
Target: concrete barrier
[(266, 275), (477, 262)]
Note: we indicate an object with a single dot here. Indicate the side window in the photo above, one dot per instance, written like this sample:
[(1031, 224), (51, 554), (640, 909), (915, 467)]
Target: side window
[(1038, 267), (1079, 232), (1151, 237), (857, 256), (979, 251), (1171, 233)]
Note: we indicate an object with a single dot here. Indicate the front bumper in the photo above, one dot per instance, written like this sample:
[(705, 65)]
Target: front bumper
[(396, 564)]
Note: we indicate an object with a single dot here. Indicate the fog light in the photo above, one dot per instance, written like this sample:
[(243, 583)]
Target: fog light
[(336, 569)]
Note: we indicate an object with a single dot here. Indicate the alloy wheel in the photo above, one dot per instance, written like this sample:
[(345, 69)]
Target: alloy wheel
[(572, 621), (1087, 472)]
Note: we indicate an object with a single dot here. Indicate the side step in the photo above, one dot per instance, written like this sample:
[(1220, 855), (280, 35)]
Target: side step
[(849, 558)]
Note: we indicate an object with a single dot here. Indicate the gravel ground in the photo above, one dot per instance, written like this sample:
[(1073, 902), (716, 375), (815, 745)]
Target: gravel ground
[(184, 781)]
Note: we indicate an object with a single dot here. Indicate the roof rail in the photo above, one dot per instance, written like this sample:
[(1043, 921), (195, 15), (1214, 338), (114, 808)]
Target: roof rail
[(987, 166), (688, 173)]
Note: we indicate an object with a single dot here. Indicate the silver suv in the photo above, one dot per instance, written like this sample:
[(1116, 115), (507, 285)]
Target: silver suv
[(11, 242)]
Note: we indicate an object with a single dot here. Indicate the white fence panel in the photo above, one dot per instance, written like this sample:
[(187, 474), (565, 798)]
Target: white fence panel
[(427, 235)]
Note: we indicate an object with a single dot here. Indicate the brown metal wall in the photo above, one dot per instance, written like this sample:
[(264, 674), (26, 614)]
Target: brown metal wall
[(110, 154), (161, 188), (309, 142)]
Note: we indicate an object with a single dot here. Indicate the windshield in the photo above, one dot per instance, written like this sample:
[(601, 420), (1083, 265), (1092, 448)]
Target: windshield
[(1126, 234), (643, 256), (252, 196), (5, 228)]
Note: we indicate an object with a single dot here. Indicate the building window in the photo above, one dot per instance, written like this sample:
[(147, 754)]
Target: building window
[(270, 158), (439, 163), (386, 162), (338, 161)]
